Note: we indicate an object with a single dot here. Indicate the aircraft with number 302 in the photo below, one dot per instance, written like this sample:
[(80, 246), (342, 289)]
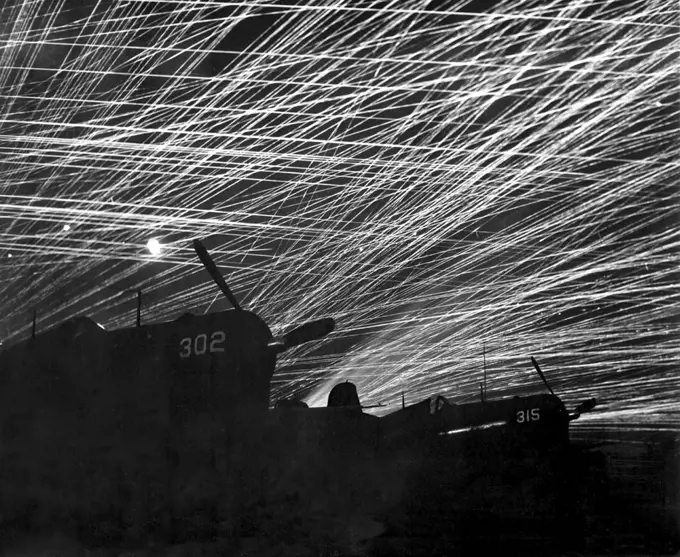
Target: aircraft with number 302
[(164, 388), (231, 353)]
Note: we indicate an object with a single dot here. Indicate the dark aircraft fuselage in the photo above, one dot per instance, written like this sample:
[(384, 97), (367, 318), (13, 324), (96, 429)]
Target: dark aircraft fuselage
[(191, 361), (160, 404)]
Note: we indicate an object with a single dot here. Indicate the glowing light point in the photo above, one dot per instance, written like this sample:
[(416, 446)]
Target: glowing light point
[(9, 255), (154, 246), (66, 227)]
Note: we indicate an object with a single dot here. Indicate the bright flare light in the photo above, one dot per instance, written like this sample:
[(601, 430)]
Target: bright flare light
[(154, 246)]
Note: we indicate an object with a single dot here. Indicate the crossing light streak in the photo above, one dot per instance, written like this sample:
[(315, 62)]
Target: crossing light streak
[(436, 179)]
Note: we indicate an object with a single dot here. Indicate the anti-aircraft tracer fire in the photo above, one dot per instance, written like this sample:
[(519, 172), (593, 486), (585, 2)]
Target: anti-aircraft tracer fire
[(164, 430)]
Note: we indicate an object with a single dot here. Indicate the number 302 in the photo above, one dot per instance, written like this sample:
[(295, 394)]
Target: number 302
[(199, 345), (532, 415)]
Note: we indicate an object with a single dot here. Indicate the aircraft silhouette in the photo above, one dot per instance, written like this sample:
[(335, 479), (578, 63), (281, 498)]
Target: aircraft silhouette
[(233, 352), (198, 381)]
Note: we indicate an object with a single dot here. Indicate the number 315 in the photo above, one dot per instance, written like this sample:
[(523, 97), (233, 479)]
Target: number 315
[(532, 415), (199, 344)]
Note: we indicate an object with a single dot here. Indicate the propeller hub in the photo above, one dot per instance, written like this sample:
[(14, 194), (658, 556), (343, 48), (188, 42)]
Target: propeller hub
[(312, 330)]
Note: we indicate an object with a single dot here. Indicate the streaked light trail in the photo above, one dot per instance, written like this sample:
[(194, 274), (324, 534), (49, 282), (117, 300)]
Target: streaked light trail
[(433, 177)]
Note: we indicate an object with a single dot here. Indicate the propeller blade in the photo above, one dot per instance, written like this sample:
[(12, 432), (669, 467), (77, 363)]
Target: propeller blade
[(312, 330), (209, 264), (538, 369), (586, 406)]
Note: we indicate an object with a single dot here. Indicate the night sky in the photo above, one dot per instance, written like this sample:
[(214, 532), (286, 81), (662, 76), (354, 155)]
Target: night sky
[(442, 178)]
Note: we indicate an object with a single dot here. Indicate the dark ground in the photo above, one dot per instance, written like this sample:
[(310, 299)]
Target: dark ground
[(628, 496)]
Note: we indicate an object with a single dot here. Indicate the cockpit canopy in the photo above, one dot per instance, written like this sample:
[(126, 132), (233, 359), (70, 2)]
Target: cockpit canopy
[(79, 325), (343, 394), (437, 402)]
